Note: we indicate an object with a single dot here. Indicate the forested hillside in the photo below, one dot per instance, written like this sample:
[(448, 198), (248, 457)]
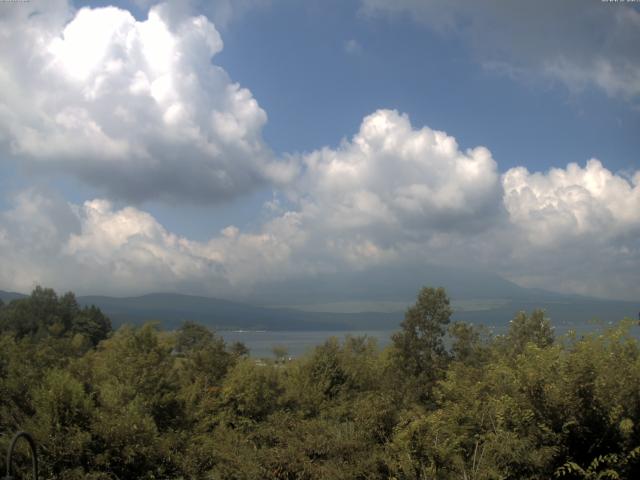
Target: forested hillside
[(445, 400)]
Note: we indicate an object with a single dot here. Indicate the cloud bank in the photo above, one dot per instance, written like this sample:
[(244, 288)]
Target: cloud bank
[(391, 195)]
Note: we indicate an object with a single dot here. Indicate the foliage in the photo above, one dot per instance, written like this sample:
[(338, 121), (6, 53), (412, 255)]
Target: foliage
[(419, 354), (443, 401), (44, 314)]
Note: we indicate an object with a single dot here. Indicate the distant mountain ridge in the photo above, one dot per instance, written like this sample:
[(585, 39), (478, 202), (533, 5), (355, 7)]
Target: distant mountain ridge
[(8, 296), (171, 309)]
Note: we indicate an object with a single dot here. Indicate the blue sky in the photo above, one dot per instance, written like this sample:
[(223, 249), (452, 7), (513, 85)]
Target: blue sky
[(539, 89), (293, 57)]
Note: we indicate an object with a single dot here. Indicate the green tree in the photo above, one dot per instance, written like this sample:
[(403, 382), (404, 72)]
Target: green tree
[(418, 348), (139, 409), (62, 423), (191, 336), (469, 343), (535, 328), (203, 363), (250, 392), (238, 350), (318, 378), (44, 314), (91, 323)]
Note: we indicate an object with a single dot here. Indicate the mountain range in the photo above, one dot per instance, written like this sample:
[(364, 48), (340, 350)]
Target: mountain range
[(357, 301)]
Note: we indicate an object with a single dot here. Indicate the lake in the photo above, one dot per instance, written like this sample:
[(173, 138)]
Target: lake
[(297, 343)]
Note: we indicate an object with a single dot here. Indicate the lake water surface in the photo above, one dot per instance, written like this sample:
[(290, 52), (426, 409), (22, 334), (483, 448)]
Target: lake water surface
[(297, 343)]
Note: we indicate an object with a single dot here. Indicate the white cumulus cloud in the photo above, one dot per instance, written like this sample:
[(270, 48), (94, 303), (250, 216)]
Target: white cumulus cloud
[(136, 108), (573, 202), (95, 247), (576, 229), (390, 174)]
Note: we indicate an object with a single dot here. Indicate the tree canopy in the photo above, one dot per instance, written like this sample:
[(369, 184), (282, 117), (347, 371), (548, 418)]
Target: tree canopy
[(443, 400)]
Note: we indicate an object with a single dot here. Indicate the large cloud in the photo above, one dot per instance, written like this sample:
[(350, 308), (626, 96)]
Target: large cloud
[(391, 187), (573, 202), (576, 229), (135, 108), (580, 43), (96, 248), (395, 176), (397, 194)]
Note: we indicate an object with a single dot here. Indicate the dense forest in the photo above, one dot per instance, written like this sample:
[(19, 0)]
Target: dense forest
[(444, 401)]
